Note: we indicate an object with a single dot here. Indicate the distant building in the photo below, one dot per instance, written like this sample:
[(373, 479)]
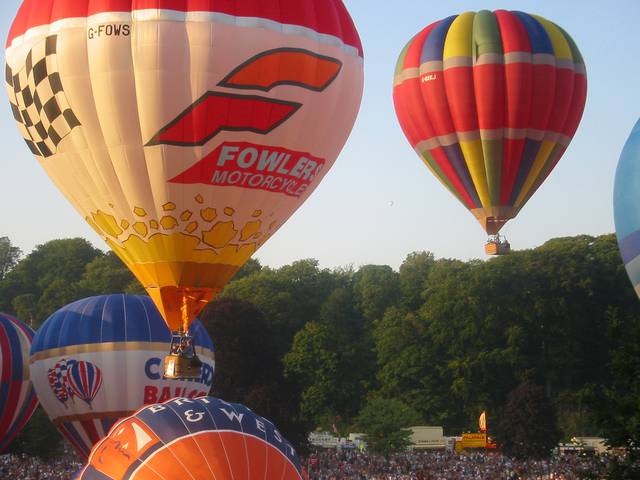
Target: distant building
[(427, 438), (323, 439), (358, 440), (597, 444), (583, 445)]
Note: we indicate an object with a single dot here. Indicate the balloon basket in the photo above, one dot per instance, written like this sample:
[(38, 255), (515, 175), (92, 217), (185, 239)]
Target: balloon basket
[(182, 361), (497, 246)]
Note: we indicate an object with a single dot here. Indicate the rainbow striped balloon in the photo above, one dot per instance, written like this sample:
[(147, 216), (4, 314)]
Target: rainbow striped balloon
[(17, 398), (204, 438), (490, 102)]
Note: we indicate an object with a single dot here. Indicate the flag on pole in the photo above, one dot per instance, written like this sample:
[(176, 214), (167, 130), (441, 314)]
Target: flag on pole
[(482, 422)]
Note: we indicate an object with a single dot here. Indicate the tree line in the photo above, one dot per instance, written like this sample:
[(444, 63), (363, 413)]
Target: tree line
[(435, 343)]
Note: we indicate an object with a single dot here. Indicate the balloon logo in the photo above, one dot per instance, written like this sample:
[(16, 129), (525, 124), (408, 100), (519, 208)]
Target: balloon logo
[(59, 382), (69, 378), (490, 102), (185, 133), (85, 380)]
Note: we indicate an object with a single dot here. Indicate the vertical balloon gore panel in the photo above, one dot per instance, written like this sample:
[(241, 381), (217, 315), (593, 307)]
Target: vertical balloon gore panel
[(186, 138)]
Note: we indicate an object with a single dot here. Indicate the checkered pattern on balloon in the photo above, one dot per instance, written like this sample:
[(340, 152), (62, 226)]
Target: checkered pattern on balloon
[(37, 99)]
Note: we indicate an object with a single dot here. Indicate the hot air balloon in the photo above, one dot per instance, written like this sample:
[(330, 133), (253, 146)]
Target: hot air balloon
[(186, 132), (99, 359), (626, 206), (204, 438), (490, 102), (17, 399)]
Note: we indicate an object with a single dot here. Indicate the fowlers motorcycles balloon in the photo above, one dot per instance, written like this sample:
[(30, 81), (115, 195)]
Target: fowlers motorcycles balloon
[(186, 132), (490, 102), (100, 359), (204, 439), (17, 398)]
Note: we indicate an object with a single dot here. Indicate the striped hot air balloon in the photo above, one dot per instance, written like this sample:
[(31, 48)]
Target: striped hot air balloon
[(85, 380), (185, 132), (490, 102), (17, 398), (205, 439), (59, 381), (99, 359)]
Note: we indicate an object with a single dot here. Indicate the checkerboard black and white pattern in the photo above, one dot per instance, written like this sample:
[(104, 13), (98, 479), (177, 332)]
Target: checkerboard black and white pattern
[(38, 101)]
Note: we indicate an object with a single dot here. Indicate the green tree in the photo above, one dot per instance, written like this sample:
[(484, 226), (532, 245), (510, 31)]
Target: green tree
[(289, 296), (408, 367), (9, 256), (248, 368), (385, 423), (413, 275), (333, 360), (484, 327), (51, 273), (527, 427), (106, 274), (26, 307), (54, 296), (252, 266), (376, 288), (617, 404), (38, 438), (314, 363)]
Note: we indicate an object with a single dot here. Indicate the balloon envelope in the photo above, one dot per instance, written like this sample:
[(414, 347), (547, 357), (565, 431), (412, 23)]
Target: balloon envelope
[(17, 398), (100, 359), (186, 132), (626, 206), (205, 438), (490, 102)]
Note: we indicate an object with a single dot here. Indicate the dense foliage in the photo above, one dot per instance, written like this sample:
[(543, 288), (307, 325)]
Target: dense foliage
[(527, 427), (313, 347), (385, 423)]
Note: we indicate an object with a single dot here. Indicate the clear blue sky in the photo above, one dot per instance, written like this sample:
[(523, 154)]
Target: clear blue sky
[(389, 204)]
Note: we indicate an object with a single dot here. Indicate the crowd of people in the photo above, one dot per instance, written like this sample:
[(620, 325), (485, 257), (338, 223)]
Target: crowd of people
[(353, 465), (24, 467)]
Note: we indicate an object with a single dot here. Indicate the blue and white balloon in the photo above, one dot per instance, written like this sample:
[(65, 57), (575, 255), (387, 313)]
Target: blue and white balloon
[(99, 359)]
